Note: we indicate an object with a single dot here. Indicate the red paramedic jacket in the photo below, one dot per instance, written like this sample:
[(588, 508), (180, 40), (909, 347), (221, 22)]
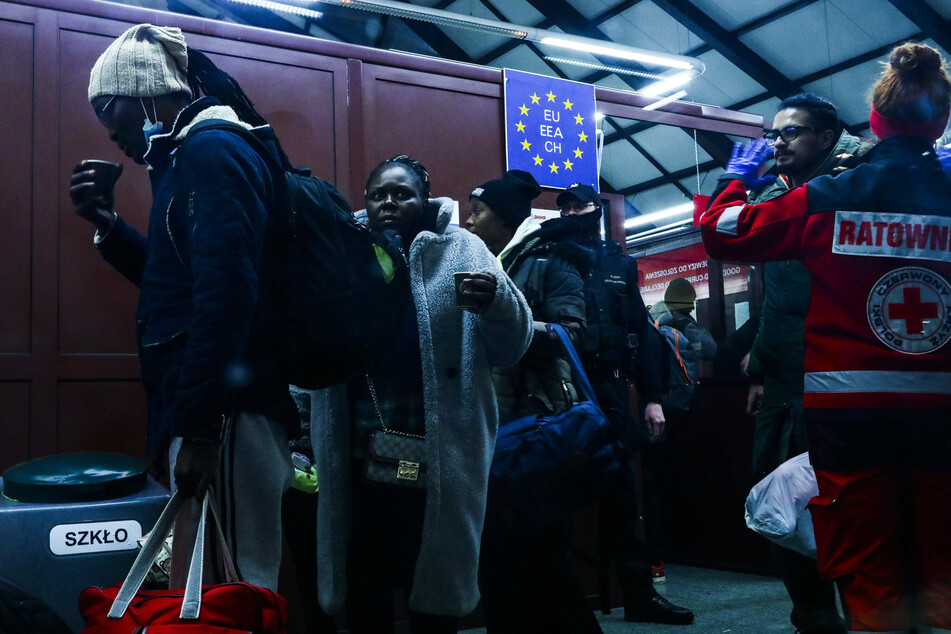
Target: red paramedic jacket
[(877, 242)]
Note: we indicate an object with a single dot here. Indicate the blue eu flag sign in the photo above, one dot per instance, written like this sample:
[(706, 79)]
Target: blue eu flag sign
[(550, 129)]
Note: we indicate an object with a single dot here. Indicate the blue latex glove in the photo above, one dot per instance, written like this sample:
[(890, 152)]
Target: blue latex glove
[(747, 161), (944, 157)]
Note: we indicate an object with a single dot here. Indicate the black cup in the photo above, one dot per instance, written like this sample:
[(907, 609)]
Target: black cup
[(106, 173), (462, 300)]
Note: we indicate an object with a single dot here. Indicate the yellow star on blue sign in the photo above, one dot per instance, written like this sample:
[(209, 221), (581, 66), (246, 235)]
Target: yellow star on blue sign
[(523, 109), (568, 104), (526, 145), (520, 126), (550, 95)]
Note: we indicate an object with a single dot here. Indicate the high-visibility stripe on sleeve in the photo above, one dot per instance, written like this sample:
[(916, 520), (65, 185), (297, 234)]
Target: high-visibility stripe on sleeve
[(852, 381), (726, 223)]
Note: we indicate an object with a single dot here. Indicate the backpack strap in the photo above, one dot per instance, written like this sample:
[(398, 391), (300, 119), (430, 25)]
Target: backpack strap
[(581, 378)]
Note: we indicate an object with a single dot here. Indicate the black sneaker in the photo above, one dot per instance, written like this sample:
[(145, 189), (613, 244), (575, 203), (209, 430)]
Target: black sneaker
[(657, 609)]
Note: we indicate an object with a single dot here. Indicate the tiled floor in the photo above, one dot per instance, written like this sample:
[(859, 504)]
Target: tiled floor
[(722, 602)]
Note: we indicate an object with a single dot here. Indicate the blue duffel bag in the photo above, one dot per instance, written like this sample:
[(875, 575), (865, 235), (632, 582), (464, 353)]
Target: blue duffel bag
[(544, 468)]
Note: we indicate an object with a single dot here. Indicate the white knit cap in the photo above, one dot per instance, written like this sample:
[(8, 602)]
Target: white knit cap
[(145, 61)]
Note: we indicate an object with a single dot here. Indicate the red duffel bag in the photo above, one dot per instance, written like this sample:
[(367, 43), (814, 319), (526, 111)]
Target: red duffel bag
[(232, 607)]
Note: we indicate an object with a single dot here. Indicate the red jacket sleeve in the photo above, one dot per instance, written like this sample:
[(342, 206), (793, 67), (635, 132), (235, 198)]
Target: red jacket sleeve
[(770, 230)]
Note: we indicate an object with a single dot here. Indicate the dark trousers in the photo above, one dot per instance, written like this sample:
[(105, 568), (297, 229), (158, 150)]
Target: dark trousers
[(529, 586), (619, 540), (384, 543), (619, 515), (813, 598), (299, 515), (652, 466)]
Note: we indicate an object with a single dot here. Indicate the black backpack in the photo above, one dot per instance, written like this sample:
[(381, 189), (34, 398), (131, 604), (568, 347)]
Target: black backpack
[(328, 283)]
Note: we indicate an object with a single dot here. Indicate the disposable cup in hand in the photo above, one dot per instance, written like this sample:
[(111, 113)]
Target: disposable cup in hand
[(106, 173), (462, 300)]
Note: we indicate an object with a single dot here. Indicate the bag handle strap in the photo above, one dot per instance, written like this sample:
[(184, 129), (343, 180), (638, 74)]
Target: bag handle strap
[(191, 606), (581, 378)]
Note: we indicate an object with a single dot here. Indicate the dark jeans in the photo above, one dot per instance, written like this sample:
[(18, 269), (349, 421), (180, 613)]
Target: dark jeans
[(384, 544), (529, 586), (813, 598), (300, 529), (619, 515), (619, 540)]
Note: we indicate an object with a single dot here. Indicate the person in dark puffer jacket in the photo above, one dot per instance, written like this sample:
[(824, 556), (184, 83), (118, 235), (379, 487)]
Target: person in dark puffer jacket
[(543, 262)]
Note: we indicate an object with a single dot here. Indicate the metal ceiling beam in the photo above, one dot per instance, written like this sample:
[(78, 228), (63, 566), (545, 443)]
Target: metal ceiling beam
[(761, 21), (678, 175), (666, 175), (729, 46), (804, 80), (926, 19)]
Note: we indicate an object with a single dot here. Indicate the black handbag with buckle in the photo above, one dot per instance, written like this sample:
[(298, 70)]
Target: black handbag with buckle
[(394, 457)]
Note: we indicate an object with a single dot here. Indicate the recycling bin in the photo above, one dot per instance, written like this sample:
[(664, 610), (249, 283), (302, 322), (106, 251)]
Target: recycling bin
[(70, 521)]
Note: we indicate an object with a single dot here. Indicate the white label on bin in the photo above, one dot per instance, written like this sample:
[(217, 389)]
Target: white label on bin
[(94, 537)]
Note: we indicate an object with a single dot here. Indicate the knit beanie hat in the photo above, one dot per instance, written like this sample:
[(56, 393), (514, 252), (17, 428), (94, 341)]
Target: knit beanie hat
[(145, 61), (680, 295), (510, 197)]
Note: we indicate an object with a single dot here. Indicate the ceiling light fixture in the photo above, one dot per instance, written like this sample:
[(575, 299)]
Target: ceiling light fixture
[(652, 218), (586, 45), (668, 83), (283, 7), (506, 29), (610, 69), (660, 103)]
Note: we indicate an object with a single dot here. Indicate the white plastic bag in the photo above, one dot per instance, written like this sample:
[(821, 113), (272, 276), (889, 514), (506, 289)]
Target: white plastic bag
[(776, 506)]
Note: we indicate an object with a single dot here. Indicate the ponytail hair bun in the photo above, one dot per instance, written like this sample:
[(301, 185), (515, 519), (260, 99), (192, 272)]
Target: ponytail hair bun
[(915, 62), (914, 86)]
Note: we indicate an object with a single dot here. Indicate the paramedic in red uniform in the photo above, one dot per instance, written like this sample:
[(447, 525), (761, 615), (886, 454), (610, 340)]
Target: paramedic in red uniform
[(878, 368)]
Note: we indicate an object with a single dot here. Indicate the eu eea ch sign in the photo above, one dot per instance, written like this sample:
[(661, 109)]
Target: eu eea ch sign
[(550, 129)]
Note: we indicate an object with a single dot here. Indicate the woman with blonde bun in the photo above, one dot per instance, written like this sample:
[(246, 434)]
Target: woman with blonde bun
[(877, 243)]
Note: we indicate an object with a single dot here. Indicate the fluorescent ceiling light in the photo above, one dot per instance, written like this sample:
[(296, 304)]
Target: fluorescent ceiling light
[(609, 50), (666, 100), (652, 218), (283, 7), (506, 29), (610, 69), (666, 84)]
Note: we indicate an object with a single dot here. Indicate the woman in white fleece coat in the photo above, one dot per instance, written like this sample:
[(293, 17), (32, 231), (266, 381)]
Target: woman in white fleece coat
[(437, 383)]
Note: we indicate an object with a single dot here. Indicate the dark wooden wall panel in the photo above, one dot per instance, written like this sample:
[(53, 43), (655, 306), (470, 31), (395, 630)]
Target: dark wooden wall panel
[(14, 420), (96, 305), (451, 125), (16, 177), (101, 416)]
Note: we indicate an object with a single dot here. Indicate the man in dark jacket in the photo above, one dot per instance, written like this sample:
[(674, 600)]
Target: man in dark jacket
[(617, 324), (807, 142), (527, 581), (216, 407)]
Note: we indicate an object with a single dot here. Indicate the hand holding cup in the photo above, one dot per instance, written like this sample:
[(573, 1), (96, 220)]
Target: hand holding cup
[(92, 190), (475, 291)]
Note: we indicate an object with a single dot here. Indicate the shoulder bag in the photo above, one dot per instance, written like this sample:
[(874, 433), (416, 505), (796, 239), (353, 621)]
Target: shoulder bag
[(546, 467)]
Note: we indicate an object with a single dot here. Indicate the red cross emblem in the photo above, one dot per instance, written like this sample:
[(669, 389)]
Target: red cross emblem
[(908, 310), (913, 311)]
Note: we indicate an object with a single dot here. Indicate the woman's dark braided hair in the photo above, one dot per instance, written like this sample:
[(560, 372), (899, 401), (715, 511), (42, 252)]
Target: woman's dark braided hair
[(410, 164)]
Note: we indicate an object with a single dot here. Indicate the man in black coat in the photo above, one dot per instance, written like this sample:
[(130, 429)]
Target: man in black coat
[(617, 325)]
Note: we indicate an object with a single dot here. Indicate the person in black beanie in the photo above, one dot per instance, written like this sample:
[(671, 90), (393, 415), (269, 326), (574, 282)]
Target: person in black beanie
[(621, 345), (527, 581)]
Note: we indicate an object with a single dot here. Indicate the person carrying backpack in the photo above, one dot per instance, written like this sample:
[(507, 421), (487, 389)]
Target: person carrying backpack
[(620, 345), (216, 411)]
